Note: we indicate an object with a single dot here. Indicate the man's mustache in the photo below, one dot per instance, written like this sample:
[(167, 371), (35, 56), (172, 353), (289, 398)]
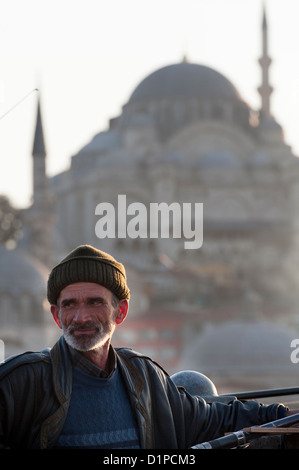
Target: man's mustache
[(86, 326)]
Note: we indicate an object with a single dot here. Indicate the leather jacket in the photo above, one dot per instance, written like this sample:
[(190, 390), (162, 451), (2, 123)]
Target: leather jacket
[(35, 390)]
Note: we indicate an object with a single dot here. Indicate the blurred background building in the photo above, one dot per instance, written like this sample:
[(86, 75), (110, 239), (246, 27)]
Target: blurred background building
[(228, 309)]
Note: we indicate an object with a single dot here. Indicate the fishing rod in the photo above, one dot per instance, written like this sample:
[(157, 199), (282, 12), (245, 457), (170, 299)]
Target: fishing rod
[(242, 437), (18, 103)]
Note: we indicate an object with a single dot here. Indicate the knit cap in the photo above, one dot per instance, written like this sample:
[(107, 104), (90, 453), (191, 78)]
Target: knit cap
[(88, 264)]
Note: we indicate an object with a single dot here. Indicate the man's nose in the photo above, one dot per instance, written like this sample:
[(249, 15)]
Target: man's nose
[(81, 314)]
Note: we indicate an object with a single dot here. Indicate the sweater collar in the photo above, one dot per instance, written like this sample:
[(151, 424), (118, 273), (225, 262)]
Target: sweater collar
[(87, 366)]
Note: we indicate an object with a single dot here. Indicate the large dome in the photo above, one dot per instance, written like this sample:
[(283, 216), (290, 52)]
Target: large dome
[(184, 80)]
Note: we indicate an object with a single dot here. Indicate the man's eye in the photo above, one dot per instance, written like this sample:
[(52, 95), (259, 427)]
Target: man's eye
[(96, 302), (67, 304)]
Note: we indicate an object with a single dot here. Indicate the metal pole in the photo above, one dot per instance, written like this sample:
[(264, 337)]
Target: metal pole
[(263, 393)]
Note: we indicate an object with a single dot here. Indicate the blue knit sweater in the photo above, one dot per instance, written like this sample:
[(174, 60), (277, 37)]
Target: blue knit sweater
[(99, 415)]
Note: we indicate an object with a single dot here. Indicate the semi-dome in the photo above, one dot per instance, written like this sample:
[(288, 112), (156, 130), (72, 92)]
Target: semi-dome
[(219, 159), (26, 323), (184, 80), (101, 142)]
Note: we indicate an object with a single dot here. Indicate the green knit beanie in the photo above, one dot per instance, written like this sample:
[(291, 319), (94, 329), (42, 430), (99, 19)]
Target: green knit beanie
[(88, 264)]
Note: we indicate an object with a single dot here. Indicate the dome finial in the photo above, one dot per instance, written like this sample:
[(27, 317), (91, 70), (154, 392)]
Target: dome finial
[(185, 59)]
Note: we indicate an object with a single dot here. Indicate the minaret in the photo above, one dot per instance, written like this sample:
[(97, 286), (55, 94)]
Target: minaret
[(265, 89), (39, 217)]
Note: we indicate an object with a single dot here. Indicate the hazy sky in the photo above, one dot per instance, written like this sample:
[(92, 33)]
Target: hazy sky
[(87, 57)]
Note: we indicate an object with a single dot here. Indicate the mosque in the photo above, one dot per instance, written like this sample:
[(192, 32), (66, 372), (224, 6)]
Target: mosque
[(185, 135)]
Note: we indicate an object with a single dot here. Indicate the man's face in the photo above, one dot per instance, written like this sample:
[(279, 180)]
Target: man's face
[(88, 315)]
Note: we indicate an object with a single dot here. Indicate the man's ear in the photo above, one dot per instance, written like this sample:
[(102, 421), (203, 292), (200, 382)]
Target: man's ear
[(55, 314), (122, 310)]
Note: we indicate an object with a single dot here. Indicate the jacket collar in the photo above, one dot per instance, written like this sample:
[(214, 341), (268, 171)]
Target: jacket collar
[(62, 370), (138, 394)]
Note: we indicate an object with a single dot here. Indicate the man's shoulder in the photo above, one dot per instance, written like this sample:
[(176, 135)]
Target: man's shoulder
[(20, 360), (131, 354)]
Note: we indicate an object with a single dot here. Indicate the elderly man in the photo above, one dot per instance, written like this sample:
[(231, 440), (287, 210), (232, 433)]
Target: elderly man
[(83, 393)]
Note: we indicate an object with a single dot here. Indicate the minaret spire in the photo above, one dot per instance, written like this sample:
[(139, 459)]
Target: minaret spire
[(39, 143), (265, 89), (40, 182)]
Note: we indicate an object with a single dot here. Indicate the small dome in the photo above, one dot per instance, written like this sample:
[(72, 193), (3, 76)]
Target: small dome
[(240, 347), (21, 274), (184, 80)]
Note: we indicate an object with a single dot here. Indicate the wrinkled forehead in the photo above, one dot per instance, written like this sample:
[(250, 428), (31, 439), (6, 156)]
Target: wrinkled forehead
[(83, 290)]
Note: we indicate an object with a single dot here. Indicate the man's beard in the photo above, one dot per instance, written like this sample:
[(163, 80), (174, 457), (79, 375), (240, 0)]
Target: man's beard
[(88, 341)]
